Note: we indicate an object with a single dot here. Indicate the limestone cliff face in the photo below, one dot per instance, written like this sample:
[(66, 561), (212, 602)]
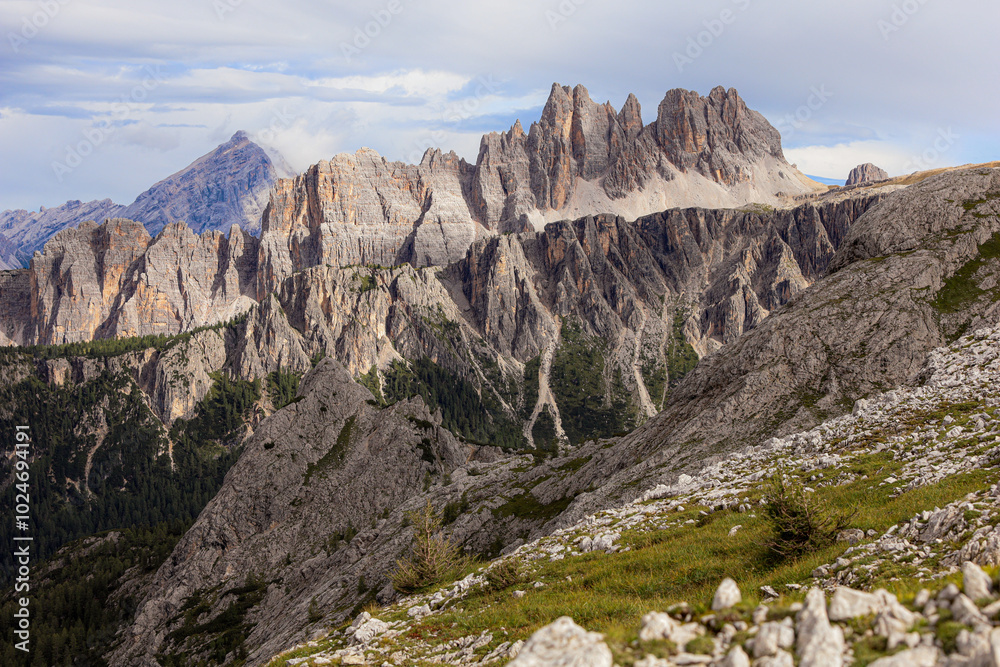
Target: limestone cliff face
[(363, 209), (725, 269), (580, 158), (110, 280)]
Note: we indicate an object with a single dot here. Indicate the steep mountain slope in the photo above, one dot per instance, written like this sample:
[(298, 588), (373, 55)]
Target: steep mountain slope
[(916, 271), (868, 326), (229, 186), (917, 466)]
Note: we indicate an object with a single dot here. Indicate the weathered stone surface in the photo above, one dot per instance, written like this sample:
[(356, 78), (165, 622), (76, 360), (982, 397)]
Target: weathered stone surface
[(564, 644), (818, 643), (726, 595), (114, 280), (866, 173)]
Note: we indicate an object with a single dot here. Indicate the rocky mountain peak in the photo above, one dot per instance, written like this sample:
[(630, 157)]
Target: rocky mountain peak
[(866, 173), (717, 136), (230, 184)]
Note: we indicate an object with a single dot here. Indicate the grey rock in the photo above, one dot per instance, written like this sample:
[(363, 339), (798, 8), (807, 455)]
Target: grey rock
[(771, 637), (656, 626), (866, 173), (818, 643), (736, 657), (923, 656), (976, 583), (564, 644), (726, 595)]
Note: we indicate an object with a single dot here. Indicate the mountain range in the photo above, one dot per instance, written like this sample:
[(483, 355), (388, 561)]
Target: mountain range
[(593, 314), (229, 186)]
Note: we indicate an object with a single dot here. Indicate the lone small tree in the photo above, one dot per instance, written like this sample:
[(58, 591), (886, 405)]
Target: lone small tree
[(433, 556), (800, 526)]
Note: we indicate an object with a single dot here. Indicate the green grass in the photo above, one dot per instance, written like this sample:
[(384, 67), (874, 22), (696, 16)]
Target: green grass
[(610, 593), (527, 506), (334, 457), (961, 289)]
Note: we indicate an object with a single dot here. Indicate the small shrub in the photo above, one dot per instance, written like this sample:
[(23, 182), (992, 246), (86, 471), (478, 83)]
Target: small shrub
[(660, 648), (800, 527), (947, 634), (433, 557), (315, 615), (505, 574)]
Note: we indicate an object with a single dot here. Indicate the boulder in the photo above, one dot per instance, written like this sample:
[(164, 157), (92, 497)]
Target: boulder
[(564, 644), (727, 595)]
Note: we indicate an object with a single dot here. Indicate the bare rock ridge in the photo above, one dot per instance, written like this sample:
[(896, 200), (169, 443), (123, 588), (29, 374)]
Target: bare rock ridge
[(26, 232), (581, 158), (866, 173), (228, 186), (723, 270)]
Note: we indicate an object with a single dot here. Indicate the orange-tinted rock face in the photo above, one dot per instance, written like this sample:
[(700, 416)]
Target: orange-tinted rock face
[(115, 280)]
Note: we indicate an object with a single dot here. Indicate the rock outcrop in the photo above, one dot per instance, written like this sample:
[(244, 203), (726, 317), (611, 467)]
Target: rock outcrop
[(866, 173)]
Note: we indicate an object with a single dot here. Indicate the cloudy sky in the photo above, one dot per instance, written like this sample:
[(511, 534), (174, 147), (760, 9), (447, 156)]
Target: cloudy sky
[(102, 98)]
